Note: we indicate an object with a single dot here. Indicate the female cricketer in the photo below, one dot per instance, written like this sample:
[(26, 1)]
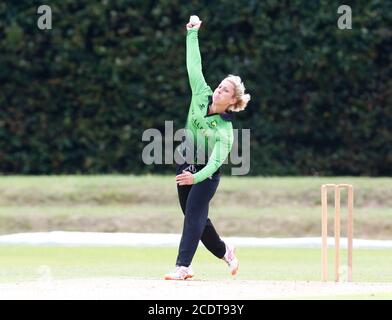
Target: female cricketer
[(209, 121)]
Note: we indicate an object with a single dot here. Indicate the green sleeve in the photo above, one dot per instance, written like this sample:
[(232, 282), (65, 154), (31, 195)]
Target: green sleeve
[(193, 63), (222, 148)]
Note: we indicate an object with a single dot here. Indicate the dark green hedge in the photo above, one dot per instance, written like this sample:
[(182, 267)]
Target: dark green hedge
[(76, 99)]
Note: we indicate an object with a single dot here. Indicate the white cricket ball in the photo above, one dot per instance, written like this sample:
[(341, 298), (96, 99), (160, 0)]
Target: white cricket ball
[(194, 20)]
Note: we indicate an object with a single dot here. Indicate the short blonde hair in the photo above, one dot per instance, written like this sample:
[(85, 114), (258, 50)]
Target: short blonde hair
[(239, 92)]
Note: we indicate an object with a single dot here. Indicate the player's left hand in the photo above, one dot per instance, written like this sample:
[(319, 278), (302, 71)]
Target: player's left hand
[(185, 178)]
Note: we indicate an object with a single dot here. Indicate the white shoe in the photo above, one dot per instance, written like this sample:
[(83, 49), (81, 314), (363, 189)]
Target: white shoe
[(181, 273), (231, 259)]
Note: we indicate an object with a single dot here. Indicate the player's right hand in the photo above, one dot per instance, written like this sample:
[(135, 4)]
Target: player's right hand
[(191, 26)]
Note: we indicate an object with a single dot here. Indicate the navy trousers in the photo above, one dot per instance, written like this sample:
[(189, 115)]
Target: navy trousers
[(194, 201)]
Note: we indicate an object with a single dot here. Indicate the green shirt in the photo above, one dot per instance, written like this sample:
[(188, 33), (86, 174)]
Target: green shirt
[(215, 130)]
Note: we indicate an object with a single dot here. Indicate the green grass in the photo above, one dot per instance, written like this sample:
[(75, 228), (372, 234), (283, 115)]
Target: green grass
[(243, 206), (22, 263), (109, 189)]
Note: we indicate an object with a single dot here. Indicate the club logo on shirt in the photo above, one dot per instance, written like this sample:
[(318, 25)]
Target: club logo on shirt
[(212, 124)]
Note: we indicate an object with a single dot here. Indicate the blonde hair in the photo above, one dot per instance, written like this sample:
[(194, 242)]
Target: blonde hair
[(239, 92)]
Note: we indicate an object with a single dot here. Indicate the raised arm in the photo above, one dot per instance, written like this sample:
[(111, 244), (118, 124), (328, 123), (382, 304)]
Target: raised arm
[(193, 60)]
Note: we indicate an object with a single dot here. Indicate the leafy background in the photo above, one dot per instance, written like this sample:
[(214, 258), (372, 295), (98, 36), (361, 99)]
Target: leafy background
[(77, 98)]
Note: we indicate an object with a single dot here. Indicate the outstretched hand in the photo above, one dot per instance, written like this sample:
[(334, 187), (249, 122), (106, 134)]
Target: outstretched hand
[(185, 178)]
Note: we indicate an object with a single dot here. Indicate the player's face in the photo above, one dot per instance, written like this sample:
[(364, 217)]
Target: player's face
[(224, 93)]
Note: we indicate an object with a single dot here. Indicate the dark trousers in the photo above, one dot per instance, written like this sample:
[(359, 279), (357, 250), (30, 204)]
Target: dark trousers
[(194, 201)]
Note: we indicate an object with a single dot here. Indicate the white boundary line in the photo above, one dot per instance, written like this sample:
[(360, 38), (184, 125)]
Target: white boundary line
[(168, 240)]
